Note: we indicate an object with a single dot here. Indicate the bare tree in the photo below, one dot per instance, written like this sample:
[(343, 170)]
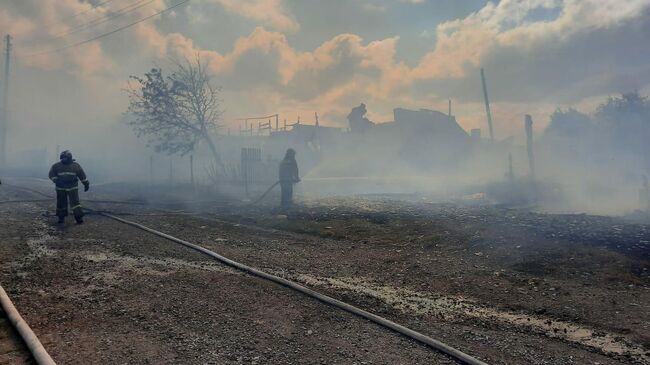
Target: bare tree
[(178, 111)]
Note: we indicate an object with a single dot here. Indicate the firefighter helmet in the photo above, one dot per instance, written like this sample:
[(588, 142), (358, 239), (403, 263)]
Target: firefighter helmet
[(291, 153), (66, 156)]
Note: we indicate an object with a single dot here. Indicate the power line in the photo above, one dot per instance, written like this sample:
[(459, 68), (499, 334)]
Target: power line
[(79, 13), (108, 33), (87, 10), (96, 21), (101, 20)]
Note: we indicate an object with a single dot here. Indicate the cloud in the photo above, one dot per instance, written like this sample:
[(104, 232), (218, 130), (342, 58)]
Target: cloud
[(269, 57), (42, 28), (269, 12), (538, 52), (462, 44), (374, 8), (532, 52)]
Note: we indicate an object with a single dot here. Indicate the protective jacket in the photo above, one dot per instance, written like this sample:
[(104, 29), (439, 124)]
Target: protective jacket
[(289, 171), (66, 176)]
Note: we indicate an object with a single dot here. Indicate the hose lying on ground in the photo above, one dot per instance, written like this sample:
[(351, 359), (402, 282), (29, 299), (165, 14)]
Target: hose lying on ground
[(33, 191), (118, 202), (25, 201), (457, 354), (33, 344)]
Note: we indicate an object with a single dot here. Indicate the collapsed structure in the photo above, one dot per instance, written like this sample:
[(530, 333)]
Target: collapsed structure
[(416, 141)]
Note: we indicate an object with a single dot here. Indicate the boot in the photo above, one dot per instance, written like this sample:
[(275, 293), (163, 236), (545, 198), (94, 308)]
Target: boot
[(79, 220), (61, 220)]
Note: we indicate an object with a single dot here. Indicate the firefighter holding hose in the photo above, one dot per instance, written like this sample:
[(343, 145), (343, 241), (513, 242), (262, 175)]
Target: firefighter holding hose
[(288, 177), (66, 175)]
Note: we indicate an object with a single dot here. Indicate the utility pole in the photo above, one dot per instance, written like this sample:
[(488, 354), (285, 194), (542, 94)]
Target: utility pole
[(449, 108), (529, 145), (511, 171), (5, 105), (644, 194), (487, 105)]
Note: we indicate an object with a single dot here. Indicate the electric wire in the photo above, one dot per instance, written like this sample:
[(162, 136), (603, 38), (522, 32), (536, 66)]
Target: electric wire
[(101, 20), (61, 21), (103, 35)]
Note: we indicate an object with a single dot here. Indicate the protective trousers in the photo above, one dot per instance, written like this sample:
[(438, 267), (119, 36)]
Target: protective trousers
[(286, 200), (62, 196)]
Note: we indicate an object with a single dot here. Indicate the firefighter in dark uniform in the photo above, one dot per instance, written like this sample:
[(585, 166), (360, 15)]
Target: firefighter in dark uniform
[(288, 177), (66, 175)]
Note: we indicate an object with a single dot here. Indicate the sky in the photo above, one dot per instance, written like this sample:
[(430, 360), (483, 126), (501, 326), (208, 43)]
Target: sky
[(297, 57)]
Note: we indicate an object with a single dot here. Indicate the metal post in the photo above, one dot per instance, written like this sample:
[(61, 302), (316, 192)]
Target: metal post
[(449, 108), (529, 145), (277, 122), (487, 106), (644, 194)]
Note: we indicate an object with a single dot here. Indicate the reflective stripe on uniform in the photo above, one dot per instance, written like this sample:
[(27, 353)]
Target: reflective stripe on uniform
[(53, 178), (67, 173), (76, 206), (64, 189), (84, 181)]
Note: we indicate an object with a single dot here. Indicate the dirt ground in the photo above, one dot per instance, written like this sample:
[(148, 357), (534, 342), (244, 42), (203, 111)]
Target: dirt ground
[(507, 286), (12, 348)]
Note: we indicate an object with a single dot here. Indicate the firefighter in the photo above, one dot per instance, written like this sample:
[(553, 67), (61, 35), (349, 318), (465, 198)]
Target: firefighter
[(288, 177), (66, 175)]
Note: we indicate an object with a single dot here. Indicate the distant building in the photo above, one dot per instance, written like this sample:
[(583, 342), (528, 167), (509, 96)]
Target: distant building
[(430, 122), (421, 139), (427, 138), (302, 135)]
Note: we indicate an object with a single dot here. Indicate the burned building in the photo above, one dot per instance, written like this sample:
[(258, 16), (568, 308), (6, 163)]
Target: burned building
[(417, 142), (431, 137), (425, 138), (307, 136)]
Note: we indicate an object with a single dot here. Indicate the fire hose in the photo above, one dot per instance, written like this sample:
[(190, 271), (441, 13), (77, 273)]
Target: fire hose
[(433, 343), (265, 193), (33, 344)]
